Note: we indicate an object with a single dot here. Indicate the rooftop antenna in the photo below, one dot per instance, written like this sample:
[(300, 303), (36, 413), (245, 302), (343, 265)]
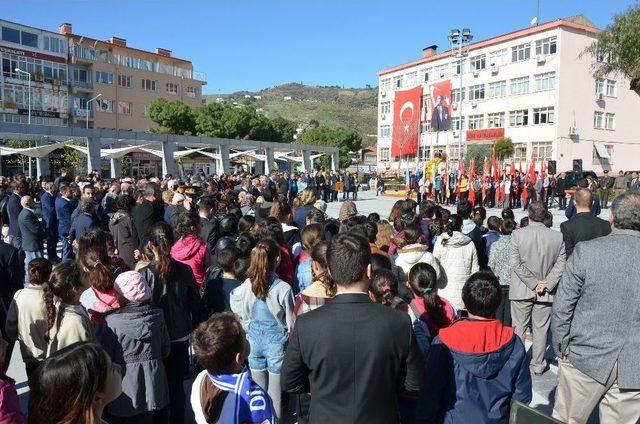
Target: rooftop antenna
[(537, 13)]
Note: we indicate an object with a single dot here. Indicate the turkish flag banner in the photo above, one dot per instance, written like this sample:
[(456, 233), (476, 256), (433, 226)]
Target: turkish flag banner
[(406, 122)]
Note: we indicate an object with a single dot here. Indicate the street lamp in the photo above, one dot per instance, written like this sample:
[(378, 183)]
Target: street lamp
[(459, 40), (88, 109), (20, 71)]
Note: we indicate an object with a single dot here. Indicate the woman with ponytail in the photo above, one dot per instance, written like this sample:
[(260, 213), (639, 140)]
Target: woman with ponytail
[(458, 258), (323, 288), (26, 320), (264, 304), (67, 321), (384, 290), (100, 298), (427, 308), (174, 290)]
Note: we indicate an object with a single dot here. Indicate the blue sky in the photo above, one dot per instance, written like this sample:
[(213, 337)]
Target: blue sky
[(255, 44)]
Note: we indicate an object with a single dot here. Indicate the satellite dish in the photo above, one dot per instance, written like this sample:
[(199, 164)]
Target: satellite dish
[(534, 21)]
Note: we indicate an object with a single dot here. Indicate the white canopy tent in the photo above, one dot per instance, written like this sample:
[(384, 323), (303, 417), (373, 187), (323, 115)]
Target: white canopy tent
[(36, 151)]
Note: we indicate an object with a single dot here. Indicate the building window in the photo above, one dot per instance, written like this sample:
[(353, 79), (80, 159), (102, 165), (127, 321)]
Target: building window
[(441, 71), (426, 126), (455, 95), (11, 35), (29, 39), (455, 124), (172, 88), (519, 86), (476, 92), (124, 81), (454, 152), (104, 105), (598, 159), (603, 57), (397, 82), (609, 121), (81, 76), (148, 84), (497, 89), (545, 82), (104, 77), (519, 118), (54, 44), (385, 85), (411, 80), (476, 122), (424, 74), (543, 115), (521, 52), (385, 107), (611, 88), (546, 46), (542, 150), (385, 131), (599, 86), (25, 38), (124, 108), (498, 57), (192, 92), (459, 68), (495, 120), (520, 152), (598, 120), (384, 154), (478, 62)]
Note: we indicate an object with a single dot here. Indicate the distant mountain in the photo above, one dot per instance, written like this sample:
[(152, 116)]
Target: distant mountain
[(304, 104)]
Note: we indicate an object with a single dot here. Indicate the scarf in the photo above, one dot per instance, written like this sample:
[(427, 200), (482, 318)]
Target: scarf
[(252, 404)]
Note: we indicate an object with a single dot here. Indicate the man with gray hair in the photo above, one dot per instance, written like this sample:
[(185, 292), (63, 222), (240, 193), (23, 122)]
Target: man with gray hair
[(596, 325), (537, 259)]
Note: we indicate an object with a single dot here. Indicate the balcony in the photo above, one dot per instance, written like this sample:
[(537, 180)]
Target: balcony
[(82, 113), (200, 76), (82, 87)]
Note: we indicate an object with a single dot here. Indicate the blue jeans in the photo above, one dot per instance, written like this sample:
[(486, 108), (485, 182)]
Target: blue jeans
[(267, 339)]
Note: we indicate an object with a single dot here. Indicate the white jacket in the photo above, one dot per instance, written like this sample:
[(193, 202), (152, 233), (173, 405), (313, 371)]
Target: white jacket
[(458, 259), (412, 254)]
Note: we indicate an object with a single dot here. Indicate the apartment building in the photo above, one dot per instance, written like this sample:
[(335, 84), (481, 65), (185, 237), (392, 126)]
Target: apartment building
[(532, 85), (34, 73)]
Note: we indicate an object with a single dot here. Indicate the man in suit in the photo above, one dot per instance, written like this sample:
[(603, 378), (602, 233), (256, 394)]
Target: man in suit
[(537, 259), (471, 230), (145, 214), (584, 226), (50, 220), (606, 184), (64, 209), (11, 280), (61, 179), (13, 210), (210, 232), (596, 326), (561, 186), (634, 185), (31, 230), (440, 119), (354, 356)]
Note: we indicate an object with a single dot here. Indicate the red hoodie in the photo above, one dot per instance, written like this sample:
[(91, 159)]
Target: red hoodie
[(476, 336), (191, 251)]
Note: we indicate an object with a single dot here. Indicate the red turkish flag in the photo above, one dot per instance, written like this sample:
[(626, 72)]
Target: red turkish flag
[(406, 122)]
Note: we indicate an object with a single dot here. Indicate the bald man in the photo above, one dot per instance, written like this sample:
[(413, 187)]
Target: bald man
[(32, 231), (584, 225)]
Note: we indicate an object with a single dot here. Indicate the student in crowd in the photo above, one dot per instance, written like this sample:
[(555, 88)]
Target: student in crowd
[(493, 224), (458, 257), (174, 289), (471, 229), (100, 297), (307, 199), (220, 282), (429, 312), (384, 290), (224, 391), (501, 267), (264, 304), (189, 249), (476, 367), (136, 339), (323, 288), (121, 227), (290, 234), (413, 251), (9, 402), (26, 320), (311, 235), (74, 386), (67, 321), (270, 228)]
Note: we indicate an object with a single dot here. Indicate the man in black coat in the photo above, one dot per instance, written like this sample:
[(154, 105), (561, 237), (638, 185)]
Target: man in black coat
[(11, 280), (354, 356), (210, 232), (471, 230), (50, 220), (584, 225), (145, 215), (13, 210), (31, 230), (561, 186)]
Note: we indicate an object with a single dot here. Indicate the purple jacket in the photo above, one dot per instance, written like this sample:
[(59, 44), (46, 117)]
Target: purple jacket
[(9, 404)]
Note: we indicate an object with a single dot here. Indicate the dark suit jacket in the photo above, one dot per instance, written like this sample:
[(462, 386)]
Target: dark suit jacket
[(481, 248), (32, 232), (49, 217), (440, 123), (11, 277), (13, 210), (64, 209), (571, 212), (582, 227), (355, 357), (144, 217), (209, 232)]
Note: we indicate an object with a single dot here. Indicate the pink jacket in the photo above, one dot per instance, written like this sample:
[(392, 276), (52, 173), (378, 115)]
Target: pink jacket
[(9, 404), (192, 251)]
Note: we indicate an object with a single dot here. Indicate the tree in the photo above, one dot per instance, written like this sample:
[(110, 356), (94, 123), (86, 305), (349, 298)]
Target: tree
[(345, 139), (173, 117), (209, 120), (617, 49), (503, 148), (284, 129), (478, 151)]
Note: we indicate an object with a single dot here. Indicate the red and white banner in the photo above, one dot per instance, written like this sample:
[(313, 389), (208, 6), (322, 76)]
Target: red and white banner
[(406, 122), (440, 105)]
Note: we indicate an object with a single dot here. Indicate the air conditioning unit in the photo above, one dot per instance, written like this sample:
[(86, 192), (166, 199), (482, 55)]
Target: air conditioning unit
[(540, 58), (573, 131), (494, 69), (454, 106), (474, 104), (456, 134), (599, 96), (476, 72), (383, 94)]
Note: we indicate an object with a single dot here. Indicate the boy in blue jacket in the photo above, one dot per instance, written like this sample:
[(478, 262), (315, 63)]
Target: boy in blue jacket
[(477, 366)]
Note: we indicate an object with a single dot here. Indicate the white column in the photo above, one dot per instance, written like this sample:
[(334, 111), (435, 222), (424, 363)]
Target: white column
[(42, 167), (168, 163), (335, 161), (225, 161), (116, 167), (306, 161), (269, 160), (93, 154)]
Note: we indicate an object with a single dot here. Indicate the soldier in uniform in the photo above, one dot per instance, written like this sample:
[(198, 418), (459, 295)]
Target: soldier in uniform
[(606, 184), (620, 185)]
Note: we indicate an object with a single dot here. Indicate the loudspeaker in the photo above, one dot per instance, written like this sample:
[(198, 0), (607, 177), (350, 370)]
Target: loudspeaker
[(551, 167), (577, 166)]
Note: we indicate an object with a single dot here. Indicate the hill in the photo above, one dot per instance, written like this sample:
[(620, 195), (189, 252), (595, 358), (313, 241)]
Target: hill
[(304, 104)]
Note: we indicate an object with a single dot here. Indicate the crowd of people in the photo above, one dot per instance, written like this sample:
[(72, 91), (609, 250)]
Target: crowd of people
[(246, 284)]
